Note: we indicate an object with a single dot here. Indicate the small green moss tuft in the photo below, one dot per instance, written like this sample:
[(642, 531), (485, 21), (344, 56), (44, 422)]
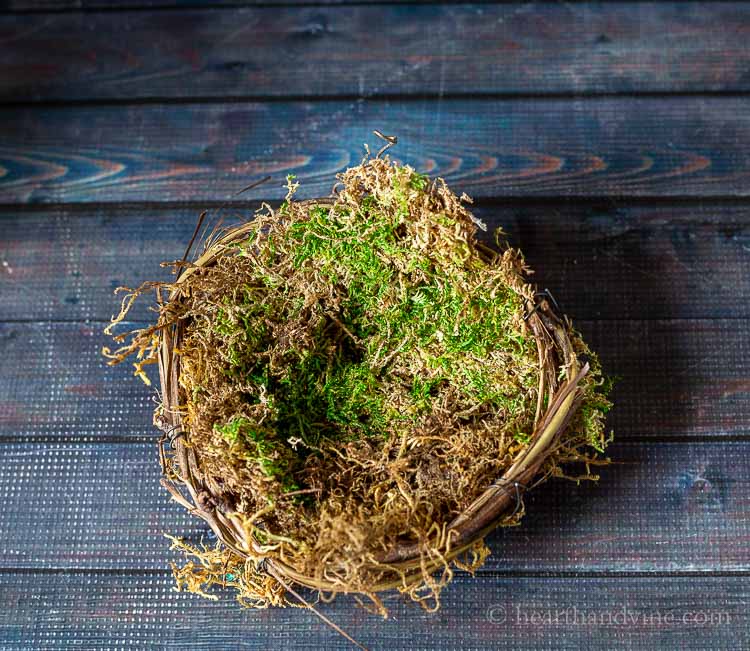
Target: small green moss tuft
[(262, 448)]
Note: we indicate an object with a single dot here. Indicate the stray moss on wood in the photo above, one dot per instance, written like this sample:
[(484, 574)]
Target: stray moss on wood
[(357, 390)]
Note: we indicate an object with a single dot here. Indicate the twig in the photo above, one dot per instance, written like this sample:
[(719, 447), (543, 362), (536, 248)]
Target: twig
[(276, 575)]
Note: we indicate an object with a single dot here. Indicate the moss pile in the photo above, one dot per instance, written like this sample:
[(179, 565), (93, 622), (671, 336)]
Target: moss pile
[(354, 373)]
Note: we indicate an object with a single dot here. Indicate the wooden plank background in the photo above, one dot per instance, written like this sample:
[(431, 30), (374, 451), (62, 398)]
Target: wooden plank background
[(685, 146), (609, 142), (130, 611), (463, 49), (662, 506), (670, 384)]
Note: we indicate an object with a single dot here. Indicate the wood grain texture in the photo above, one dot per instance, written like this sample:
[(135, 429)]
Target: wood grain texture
[(96, 610), (606, 147), (602, 260), (544, 48), (685, 378), (40, 6), (661, 507)]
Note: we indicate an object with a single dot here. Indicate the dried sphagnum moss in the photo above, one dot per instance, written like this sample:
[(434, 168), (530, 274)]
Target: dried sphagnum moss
[(354, 373)]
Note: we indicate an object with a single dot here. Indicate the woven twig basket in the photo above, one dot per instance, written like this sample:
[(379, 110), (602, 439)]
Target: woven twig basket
[(560, 375)]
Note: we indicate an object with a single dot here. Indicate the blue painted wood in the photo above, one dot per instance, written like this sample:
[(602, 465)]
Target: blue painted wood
[(602, 260), (606, 147), (139, 611), (467, 49), (661, 508), (677, 378)]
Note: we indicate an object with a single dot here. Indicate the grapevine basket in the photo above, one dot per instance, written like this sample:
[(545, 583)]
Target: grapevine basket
[(568, 375)]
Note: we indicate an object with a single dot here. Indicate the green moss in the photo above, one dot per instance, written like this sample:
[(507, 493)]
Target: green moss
[(430, 317), (261, 446), (419, 181), (398, 321)]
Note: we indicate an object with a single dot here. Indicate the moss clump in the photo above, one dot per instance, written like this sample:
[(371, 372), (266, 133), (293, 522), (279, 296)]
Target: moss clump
[(355, 372)]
